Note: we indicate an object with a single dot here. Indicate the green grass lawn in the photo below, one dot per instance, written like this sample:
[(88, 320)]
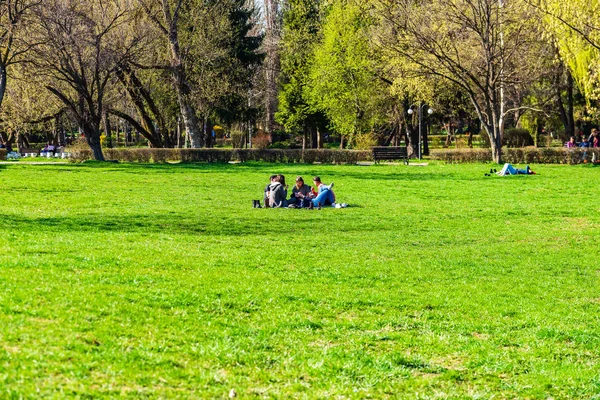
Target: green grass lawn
[(163, 281)]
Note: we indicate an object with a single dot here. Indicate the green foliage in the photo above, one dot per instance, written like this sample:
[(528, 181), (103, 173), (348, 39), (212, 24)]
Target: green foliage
[(517, 137), (577, 39), (529, 155), (301, 32), (343, 79), (223, 56), (161, 281), (364, 141), (280, 155)]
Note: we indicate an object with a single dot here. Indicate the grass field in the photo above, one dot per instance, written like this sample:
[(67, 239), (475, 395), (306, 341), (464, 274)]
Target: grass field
[(162, 281)]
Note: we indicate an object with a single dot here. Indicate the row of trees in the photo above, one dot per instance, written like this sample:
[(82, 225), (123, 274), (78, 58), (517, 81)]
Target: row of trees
[(147, 62), (348, 67), (357, 66)]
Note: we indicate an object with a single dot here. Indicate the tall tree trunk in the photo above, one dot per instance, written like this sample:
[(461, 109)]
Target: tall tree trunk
[(92, 137), (570, 105), (495, 141), (304, 136), (449, 133), (566, 114), (62, 140), (2, 83), (319, 139), (314, 137), (107, 129), (426, 139), (188, 113), (412, 139), (271, 43), (152, 125), (190, 121)]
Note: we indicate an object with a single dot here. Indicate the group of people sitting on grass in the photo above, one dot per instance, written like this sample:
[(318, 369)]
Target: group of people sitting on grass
[(302, 195)]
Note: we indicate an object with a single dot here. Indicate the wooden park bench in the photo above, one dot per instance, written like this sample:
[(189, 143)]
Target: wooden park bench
[(29, 152), (390, 153)]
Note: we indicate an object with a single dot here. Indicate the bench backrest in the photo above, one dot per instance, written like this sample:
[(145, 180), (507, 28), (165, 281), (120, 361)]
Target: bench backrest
[(23, 150), (386, 152)]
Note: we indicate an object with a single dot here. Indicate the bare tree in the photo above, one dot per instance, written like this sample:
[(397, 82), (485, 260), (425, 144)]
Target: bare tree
[(13, 43), (81, 48)]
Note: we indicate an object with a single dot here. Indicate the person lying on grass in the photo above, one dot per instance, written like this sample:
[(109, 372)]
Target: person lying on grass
[(508, 169)]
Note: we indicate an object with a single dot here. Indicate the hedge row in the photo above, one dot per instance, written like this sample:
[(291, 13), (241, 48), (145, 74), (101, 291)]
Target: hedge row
[(528, 155), (148, 155)]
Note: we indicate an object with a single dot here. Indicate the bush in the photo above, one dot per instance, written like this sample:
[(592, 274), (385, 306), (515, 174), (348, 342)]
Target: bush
[(528, 155), (79, 150), (223, 142), (284, 156), (261, 141), (517, 138), (238, 139), (460, 156), (364, 141)]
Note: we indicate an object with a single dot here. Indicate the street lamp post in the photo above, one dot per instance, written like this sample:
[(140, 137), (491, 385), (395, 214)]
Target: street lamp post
[(429, 111)]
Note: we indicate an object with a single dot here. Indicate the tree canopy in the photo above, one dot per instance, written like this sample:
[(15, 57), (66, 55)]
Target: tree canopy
[(343, 67)]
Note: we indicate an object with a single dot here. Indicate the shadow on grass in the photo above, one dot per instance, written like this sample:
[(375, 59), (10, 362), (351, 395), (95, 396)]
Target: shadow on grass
[(351, 172), (269, 222)]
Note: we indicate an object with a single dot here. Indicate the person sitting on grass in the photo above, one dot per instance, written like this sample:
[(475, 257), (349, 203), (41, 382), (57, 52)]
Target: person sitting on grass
[(272, 180), (278, 193), (301, 194), (324, 195)]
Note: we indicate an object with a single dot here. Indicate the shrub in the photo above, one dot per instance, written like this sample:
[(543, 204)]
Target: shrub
[(223, 142), (517, 137), (485, 139), (284, 156), (459, 156), (238, 139), (79, 150), (364, 141), (528, 155), (261, 141)]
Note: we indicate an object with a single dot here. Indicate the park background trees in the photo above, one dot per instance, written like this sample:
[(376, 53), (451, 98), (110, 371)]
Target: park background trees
[(323, 73)]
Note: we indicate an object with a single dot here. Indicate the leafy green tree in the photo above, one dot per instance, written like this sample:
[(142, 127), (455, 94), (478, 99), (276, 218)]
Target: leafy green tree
[(344, 83), (227, 54), (301, 33), (571, 25)]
